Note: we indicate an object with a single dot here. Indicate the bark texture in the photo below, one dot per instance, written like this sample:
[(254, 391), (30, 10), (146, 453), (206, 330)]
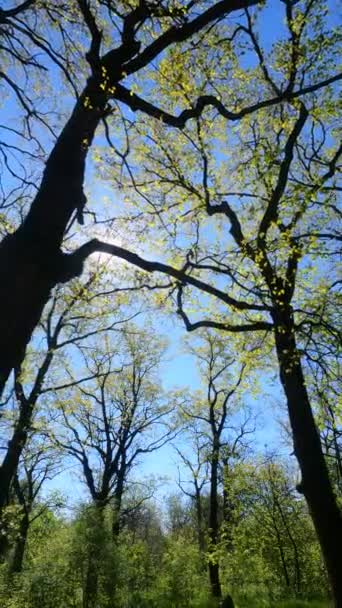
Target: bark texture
[(31, 259), (214, 572), (315, 484), (20, 545)]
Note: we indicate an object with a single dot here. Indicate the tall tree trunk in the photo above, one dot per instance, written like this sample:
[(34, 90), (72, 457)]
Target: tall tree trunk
[(20, 545), (287, 527), (214, 571), (199, 516), (94, 565), (4, 542), (315, 484), (31, 261), (117, 502), (15, 447), (337, 451), (91, 584), (9, 467), (228, 507), (281, 553), (297, 565)]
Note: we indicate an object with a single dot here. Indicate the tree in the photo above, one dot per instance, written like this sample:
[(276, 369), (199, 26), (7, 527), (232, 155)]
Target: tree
[(324, 374), (39, 464), (75, 314), (198, 470), (274, 544), (33, 251), (157, 559), (120, 413), (253, 226), (107, 423), (221, 439)]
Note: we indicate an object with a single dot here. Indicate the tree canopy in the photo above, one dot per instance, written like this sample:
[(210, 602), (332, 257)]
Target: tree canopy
[(171, 163)]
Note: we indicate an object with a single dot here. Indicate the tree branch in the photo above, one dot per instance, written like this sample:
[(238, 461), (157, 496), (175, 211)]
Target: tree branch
[(95, 245), (135, 102)]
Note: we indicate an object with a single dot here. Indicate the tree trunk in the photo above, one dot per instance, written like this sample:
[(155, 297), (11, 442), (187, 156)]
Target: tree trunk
[(287, 527), (281, 552), (9, 467), (19, 549), (31, 261), (199, 516), (91, 584), (315, 484), (228, 507), (297, 565), (95, 548), (117, 502), (337, 451), (227, 602), (214, 572), (16, 444)]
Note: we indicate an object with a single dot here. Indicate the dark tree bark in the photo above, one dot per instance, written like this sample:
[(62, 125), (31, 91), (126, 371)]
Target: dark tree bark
[(26, 406), (91, 583), (31, 260), (20, 545), (331, 441), (214, 573), (227, 602), (228, 505), (15, 447), (315, 483), (200, 518), (36, 470), (117, 506)]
